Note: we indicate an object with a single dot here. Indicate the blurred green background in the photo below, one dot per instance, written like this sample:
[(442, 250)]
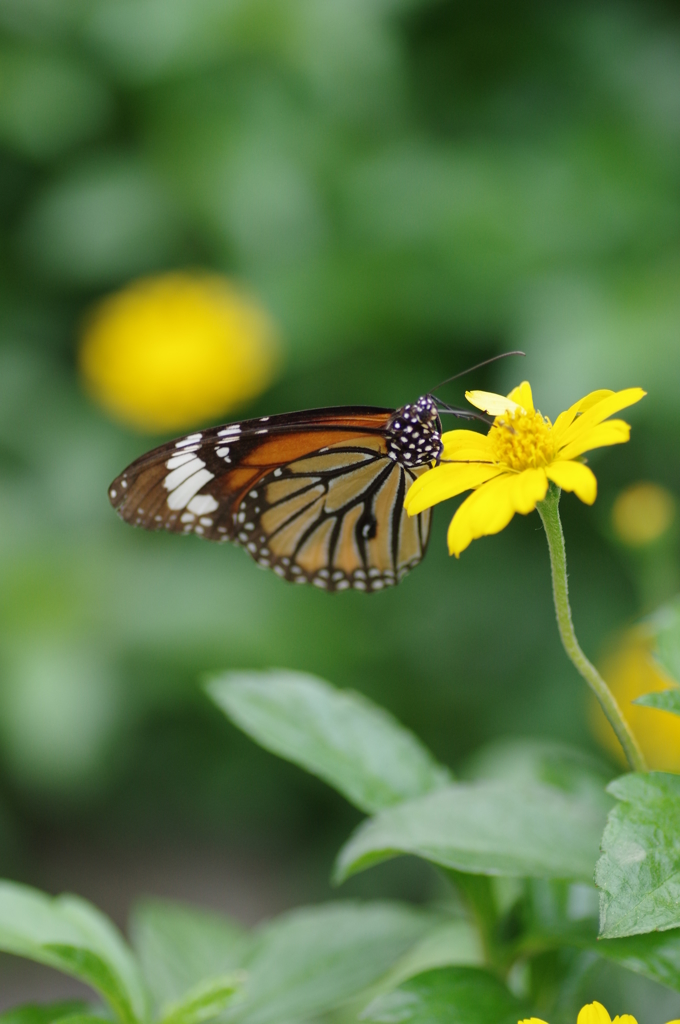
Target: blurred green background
[(408, 187)]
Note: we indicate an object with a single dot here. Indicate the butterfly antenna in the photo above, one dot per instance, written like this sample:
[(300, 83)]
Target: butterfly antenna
[(463, 414), (494, 359)]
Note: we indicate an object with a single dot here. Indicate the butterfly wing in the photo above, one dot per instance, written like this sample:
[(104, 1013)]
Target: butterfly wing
[(312, 495), (335, 518)]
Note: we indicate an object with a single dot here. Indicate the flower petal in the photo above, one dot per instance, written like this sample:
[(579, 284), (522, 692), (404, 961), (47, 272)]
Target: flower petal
[(488, 510), (625, 1018), (611, 432), (444, 482), (565, 419), (528, 488), (574, 476), (522, 395), (593, 1013), (489, 402), (475, 446), (600, 411), (537, 1020)]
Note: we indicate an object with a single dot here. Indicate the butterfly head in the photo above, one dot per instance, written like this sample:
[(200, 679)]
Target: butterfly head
[(414, 433)]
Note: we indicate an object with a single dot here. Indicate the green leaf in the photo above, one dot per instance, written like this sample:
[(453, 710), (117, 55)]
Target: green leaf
[(205, 1001), (639, 871), (493, 828), (546, 762), (663, 700), (180, 946), (46, 1013), (451, 995), (655, 955), (453, 943), (311, 960), (71, 935), (342, 737)]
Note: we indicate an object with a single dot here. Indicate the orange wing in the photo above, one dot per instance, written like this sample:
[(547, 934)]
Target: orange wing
[(313, 496)]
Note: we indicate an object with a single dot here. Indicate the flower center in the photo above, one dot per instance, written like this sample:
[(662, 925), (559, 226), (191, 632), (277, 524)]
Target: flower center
[(522, 440)]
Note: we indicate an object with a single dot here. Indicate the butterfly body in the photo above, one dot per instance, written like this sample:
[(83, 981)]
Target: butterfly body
[(316, 496)]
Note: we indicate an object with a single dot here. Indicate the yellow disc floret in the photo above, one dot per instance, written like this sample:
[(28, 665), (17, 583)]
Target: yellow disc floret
[(522, 440), (171, 351)]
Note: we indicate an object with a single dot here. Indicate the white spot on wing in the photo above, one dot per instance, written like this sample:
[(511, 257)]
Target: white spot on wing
[(183, 494), (203, 503), (191, 439), (181, 474), (179, 460)]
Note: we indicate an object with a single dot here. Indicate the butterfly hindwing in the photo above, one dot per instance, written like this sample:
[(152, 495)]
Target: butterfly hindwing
[(335, 519)]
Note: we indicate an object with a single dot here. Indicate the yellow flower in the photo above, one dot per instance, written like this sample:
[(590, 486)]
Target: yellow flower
[(630, 671), (509, 468), (593, 1013), (167, 352)]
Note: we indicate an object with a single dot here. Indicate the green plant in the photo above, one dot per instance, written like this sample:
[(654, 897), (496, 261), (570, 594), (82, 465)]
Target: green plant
[(517, 840), (524, 841)]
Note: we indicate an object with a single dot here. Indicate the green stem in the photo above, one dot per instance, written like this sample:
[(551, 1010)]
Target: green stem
[(478, 893), (548, 509)]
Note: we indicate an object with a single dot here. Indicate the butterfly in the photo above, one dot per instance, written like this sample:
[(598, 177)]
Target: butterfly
[(316, 496)]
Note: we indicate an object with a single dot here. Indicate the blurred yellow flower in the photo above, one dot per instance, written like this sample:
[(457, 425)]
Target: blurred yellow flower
[(642, 513), (593, 1013), (509, 468), (631, 671), (168, 352)]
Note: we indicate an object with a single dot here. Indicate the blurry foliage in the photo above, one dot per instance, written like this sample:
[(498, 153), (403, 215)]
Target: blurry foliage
[(407, 186)]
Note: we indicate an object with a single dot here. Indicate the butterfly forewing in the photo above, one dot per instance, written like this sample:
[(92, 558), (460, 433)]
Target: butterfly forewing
[(316, 496)]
